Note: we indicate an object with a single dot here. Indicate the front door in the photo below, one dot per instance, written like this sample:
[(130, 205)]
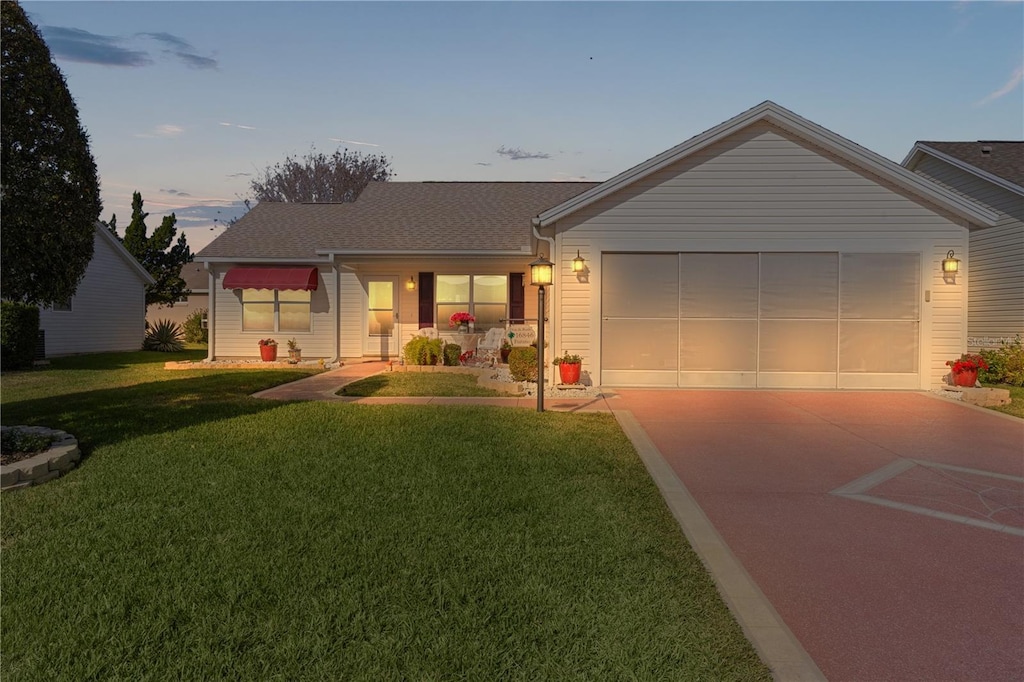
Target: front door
[(381, 316)]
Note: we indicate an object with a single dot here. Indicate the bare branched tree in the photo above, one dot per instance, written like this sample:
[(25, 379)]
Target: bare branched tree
[(317, 177)]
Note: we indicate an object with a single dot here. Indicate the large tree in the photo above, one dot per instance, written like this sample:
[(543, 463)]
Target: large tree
[(155, 253), (49, 192), (317, 177)]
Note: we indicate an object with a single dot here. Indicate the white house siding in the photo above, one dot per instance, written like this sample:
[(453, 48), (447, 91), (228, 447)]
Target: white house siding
[(995, 270), (231, 342), (759, 190), (108, 312)]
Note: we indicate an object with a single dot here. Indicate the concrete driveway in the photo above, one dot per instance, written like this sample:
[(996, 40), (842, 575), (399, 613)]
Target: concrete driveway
[(885, 528)]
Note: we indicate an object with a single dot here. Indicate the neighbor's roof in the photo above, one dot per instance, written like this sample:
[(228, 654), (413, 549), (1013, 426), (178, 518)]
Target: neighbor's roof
[(785, 119), (399, 218), (996, 159)]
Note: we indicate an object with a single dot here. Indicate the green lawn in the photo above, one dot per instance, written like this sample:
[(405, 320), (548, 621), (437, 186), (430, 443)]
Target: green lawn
[(211, 535), (390, 384)]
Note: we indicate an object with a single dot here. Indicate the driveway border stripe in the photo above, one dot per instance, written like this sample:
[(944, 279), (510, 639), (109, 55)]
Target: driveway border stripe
[(761, 623)]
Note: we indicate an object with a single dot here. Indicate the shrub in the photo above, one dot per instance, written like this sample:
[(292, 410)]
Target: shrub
[(422, 351), (1005, 364), (193, 327), (15, 441), (452, 351), (522, 363), (164, 336), (19, 328)]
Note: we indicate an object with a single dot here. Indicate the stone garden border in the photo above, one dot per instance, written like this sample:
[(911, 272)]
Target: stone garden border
[(61, 457)]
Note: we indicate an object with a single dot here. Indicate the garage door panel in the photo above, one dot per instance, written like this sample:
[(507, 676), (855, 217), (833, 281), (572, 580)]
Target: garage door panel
[(799, 285), (878, 346), (798, 346), (640, 344), (718, 285), (718, 345), (639, 285), (881, 286)]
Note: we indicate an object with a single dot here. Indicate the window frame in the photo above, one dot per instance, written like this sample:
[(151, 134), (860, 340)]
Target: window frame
[(277, 302), (470, 305)]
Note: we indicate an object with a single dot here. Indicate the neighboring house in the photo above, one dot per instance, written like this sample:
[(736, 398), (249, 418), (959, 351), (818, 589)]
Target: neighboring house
[(197, 281), (108, 311), (765, 252), (992, 174)]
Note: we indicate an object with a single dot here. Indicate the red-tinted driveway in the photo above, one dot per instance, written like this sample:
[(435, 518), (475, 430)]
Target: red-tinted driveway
[(885, 528)]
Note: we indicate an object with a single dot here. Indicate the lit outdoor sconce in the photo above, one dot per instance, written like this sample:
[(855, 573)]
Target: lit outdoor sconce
[(950, 265), (411, 284), (579, 262), (541, 275)]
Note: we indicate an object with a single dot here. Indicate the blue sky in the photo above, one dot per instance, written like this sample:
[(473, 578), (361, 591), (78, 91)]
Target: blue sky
[(183, 101)]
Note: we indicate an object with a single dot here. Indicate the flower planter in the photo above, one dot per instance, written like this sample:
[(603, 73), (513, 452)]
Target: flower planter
[(504, 355), (569, 372), (268, 353), (295, 355), (966, 378)]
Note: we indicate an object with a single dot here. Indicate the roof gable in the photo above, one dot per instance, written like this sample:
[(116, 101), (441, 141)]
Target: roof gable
[(129, 259), (998, 162), (786, 120)]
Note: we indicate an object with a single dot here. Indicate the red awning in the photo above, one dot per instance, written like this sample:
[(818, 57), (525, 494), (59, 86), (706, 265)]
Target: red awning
[(271, 278)]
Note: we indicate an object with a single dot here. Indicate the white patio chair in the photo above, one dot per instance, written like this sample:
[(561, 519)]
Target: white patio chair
[(490, 347), (429, 332)]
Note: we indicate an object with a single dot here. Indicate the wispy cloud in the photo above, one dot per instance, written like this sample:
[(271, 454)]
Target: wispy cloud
[(236, 125), (77, 45), (517, 154), (164, 130), (481, 163), (1016, 78), (176, 192), (365, 144), (239, 175)]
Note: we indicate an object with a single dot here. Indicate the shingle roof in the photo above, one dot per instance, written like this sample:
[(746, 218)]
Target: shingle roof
[(397, 216), (1005, 158)]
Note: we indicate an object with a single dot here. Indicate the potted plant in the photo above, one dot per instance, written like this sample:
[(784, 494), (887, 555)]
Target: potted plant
[(294, 352), (569, 367), (506, 348), (268, 350), (965, 370), (461, 320)]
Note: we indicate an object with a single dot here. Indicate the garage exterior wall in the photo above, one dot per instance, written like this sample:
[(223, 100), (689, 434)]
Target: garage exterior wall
[(995, 295), (759, 190)]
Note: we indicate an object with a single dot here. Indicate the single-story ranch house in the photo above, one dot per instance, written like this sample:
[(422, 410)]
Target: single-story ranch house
[(764, 252)]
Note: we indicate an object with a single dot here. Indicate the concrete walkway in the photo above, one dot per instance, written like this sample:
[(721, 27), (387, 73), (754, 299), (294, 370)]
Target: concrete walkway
[(325, 386)]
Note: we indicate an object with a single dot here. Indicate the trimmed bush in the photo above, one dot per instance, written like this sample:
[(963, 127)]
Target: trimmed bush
[(452, 351), (1005, 364), (164, 336), (193, 327), (19, 328), (522, 363), (422, 351)]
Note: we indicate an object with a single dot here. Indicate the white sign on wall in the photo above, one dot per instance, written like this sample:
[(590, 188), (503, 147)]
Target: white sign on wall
[(524, 334)]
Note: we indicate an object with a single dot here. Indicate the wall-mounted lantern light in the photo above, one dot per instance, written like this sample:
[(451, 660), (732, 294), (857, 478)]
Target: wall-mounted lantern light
[(411, 284), (578, 263), (541, 275), (950, 265)]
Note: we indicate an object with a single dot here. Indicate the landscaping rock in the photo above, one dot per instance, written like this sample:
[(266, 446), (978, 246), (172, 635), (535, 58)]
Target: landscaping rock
[(983, 397)]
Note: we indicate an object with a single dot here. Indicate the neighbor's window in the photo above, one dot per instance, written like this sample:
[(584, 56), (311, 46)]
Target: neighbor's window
[(62, 306), (275, 310), (483, 296)]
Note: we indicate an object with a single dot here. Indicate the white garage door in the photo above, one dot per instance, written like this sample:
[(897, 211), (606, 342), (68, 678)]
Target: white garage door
[(800, 320)]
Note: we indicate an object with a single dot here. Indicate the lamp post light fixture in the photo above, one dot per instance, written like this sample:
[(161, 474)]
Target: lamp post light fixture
[(950, 265), (411, 284), (579, 262), (541, 275)]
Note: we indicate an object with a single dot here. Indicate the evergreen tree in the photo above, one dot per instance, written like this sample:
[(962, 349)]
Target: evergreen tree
[(155, 253), (49, 191)]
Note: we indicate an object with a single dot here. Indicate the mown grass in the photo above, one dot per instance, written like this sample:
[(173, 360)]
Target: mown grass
[(392, 384), (213, 535)]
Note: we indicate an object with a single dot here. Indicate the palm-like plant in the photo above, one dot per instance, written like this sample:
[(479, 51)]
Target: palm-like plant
[(164, 336)]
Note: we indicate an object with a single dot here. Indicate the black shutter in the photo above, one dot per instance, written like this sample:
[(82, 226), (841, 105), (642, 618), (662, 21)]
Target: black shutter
[(516, 298), (426, 299)]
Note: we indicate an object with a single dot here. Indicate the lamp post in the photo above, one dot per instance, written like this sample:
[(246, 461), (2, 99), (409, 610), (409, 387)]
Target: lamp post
[(541, 275)]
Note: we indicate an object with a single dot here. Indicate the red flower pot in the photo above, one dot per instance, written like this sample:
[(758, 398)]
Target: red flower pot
[(268, 353), (968, 378), (569, 373)]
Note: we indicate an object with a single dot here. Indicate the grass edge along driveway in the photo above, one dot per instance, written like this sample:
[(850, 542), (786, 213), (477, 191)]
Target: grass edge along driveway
[(209, 535)]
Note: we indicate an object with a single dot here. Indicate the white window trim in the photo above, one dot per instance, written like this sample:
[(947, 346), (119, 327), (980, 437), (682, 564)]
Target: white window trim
[(277, 314)]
